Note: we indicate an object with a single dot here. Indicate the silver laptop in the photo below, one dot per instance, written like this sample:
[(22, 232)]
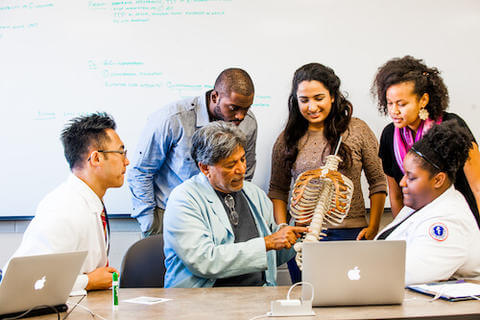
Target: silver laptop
[(42, 280), (354, 272)]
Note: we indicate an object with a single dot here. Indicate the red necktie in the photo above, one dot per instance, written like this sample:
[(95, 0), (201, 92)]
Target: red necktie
[(103, 215)]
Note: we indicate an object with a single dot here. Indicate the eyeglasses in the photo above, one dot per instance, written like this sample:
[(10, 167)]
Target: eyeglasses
[(122, 152), (232, 214)]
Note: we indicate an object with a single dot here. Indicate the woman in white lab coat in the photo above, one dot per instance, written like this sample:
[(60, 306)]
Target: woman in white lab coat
[(441, 233)]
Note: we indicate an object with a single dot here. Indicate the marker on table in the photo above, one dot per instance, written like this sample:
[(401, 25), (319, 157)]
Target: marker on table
[(115, 291), (0, 275)]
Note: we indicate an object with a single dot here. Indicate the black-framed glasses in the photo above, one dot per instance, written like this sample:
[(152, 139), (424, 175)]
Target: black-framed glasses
[(122, 152), (232, 214)]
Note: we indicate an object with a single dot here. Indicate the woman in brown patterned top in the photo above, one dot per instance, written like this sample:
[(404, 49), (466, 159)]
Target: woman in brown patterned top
[(318, 115)]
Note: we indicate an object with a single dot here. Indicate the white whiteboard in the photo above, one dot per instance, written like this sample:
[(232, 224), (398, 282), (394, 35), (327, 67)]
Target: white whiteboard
[(59, 59)]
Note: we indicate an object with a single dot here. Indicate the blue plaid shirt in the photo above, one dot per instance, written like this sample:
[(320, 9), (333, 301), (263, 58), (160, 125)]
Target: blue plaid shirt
[(162, 159)]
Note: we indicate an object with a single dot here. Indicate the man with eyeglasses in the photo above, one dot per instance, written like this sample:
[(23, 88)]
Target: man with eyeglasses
[(162, 160), (72, 217), (219, 229)]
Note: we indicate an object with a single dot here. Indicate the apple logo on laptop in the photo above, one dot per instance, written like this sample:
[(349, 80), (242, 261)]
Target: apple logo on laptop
[(354, 274), (39, 284)]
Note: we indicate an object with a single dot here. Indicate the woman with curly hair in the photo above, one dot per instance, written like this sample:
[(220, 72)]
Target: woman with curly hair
[(436, 221), (319, 115), (415, 97)]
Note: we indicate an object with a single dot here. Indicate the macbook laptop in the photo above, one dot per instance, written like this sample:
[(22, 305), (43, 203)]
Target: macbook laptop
[(354, 272), (42, 280)]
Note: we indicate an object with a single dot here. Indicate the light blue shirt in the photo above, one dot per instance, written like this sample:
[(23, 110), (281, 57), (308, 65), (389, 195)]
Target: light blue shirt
[(199, 240), (163, 161)]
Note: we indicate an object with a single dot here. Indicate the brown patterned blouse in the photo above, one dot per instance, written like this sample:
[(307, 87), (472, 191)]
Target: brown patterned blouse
[(312, 152)]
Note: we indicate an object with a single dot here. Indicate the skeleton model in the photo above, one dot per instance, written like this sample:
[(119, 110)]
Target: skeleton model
[(321, 195)]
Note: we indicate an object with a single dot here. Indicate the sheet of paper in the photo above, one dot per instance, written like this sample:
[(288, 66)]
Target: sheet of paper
[(146, 300)]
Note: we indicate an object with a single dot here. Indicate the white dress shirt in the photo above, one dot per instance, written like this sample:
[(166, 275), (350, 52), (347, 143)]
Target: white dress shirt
[(68, 219)]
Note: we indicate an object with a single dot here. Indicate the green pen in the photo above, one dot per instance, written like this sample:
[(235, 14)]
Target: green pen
[(115, 291)]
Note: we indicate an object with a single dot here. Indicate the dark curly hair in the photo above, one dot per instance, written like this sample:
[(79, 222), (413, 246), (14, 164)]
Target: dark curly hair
[(446, 145), (83, 132), (426, 80), (336, 122)]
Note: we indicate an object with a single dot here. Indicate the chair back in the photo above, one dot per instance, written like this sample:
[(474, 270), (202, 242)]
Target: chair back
[(143, 265)]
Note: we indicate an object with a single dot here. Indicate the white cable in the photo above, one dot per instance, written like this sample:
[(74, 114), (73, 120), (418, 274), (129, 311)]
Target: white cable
[(73, 308), (302, 283), (259, 317), (266, 315), (90, 311), (439, 293)]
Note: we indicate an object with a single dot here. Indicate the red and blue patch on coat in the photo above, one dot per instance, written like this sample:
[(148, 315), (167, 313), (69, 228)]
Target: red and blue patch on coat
[(438, 231)]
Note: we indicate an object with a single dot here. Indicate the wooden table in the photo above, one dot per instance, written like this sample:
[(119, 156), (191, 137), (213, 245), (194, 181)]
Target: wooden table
[(248, 302)]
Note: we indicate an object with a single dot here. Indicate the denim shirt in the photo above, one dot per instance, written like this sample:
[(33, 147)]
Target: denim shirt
[(162, 160)]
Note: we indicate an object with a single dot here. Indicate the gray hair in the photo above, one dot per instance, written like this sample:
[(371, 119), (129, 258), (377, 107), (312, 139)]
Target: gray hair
[(216, 141)]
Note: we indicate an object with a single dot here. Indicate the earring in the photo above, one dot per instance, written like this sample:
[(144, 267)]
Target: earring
[(423, 114)]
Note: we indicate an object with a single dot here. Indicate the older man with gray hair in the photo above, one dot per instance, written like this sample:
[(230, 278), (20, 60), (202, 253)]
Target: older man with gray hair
[(219, 229)]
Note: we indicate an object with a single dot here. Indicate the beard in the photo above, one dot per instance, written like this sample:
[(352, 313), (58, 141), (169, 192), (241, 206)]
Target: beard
[(217, 113), (219, 116)]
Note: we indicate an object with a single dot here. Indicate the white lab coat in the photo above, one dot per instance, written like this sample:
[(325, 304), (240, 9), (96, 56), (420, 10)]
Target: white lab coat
[(443, 239), (68, 219)]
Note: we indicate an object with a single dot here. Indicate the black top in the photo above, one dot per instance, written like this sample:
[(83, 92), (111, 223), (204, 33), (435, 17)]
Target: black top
[(245, 230), (391, 168)]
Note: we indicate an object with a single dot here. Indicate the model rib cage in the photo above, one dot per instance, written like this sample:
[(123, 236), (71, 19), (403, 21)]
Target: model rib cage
[(320, 196)]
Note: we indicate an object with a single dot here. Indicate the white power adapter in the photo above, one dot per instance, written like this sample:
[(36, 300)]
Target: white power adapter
[(293, 307)]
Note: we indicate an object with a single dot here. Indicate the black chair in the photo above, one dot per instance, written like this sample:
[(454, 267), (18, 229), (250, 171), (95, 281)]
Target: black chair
[(143, 265)]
